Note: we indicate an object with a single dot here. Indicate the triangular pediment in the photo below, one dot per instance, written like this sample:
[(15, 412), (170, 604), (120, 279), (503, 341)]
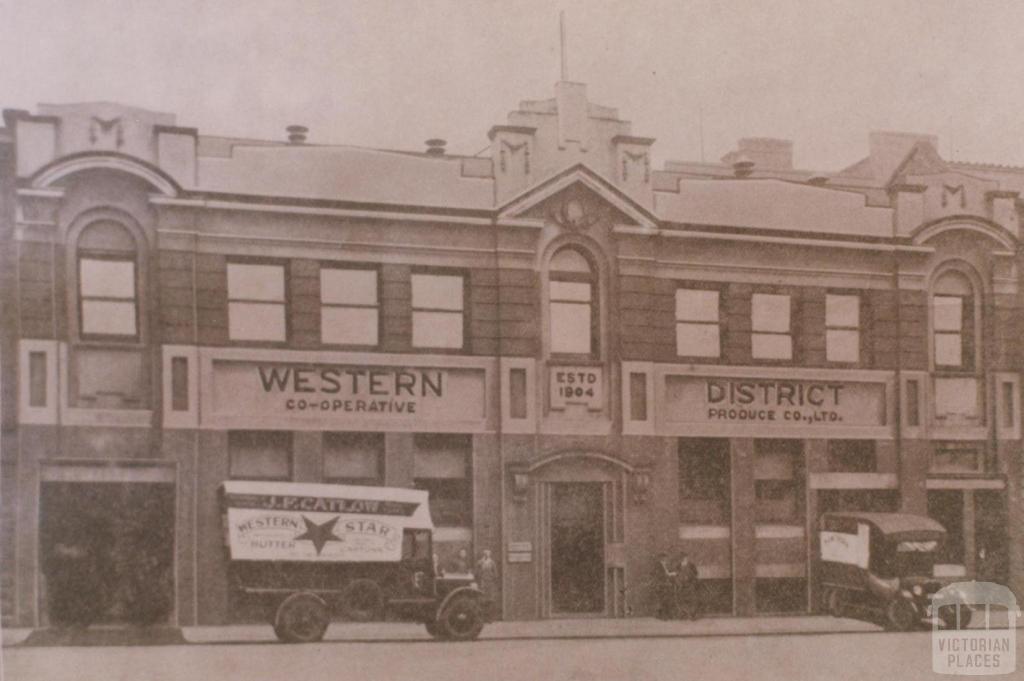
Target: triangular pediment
[(923, 159), (576, 198)]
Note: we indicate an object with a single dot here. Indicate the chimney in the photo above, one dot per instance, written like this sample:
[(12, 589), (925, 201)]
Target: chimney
[(766, 153), (742, 166), (435, 146), (297, 134)]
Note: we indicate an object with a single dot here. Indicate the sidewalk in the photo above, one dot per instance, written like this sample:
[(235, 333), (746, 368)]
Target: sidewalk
[(634, 627), (595, 628)]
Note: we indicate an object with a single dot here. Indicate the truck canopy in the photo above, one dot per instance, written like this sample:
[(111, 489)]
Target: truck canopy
[(289, 521), (894, 526)]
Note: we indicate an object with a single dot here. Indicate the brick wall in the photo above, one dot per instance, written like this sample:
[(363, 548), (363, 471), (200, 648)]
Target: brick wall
[(647, 319), (176, 295)]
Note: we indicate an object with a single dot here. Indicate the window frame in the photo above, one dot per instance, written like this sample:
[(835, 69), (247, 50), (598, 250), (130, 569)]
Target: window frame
[(425, 442), (718, 323), (972, 323), (790, 332), (380, 452), (858, 328), (965, 334), (284, 303), (362, 267), (286, 436), (593, 278), (464, 311), (108, 255)]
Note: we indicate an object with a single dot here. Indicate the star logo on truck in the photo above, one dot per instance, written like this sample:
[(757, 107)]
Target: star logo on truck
[(319, 534)]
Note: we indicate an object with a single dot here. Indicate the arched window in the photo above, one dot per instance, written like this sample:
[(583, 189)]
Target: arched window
[(573, 304), (107, 282), (954, 326)]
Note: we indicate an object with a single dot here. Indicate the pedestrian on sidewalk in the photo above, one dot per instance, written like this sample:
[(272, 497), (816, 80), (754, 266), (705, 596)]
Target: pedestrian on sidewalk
[(664, 587), (686, 588), (486, 575)]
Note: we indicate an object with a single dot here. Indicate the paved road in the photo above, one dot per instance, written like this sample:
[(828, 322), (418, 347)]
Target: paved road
[(855, 656)]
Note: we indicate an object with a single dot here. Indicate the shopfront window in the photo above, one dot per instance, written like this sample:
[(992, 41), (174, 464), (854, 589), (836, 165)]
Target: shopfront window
[(256, 302), (349, 306), (704, 481), (778, 481), (438, 319), (771, 336), (353, 458), (259, 455), (851, 456), (442, 466)]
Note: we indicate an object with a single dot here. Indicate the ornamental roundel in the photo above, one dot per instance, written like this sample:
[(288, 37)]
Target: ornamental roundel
[(573, 215)]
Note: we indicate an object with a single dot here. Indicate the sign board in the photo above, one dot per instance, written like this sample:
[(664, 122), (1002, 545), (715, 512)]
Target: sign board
[(347, 392), (520, 557), (849, 549), (774, 402), (520, 546), (322, 523), (576, 385)]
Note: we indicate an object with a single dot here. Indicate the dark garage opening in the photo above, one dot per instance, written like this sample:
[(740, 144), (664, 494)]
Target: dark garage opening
[(107, 552)]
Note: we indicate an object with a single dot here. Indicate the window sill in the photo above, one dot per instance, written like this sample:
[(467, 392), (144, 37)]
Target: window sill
[(578, 360)]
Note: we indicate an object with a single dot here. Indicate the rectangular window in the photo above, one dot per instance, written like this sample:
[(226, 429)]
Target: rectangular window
[(259, 455), (108, 299), (705, 484), (778, 476), (852, 456), (37, 379), (913, 404), (770, 324), (349, 306), (571, 317), (697, 323), (637, 397), (954, 459), (842, 328), (437, 311), (441, 465), (517, 393), (354, 458), (256, 302), (1009, 405), (704, 468), (179, 383)]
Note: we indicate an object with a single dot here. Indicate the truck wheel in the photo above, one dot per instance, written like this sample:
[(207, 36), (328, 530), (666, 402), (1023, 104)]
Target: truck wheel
[(434, 630), (301, 618), (362, 601), (947, 614), (900, 615), (836, 602), (461, 619)]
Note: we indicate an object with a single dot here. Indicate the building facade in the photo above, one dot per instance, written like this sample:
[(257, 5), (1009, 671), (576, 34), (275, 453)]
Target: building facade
[(585, 360)]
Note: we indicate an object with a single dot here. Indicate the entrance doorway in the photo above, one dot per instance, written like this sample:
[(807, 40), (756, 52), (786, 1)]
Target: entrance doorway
[(577, 548), (107, 552)]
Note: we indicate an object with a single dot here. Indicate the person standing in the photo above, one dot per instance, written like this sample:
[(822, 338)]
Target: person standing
[(686, 588), (664, 589), (460, 565), (486, 575)]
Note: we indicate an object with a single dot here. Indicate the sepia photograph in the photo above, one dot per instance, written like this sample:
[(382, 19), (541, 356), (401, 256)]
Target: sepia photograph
[(511, 340)]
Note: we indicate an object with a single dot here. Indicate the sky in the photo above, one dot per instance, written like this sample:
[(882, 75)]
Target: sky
[(390, 73)]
